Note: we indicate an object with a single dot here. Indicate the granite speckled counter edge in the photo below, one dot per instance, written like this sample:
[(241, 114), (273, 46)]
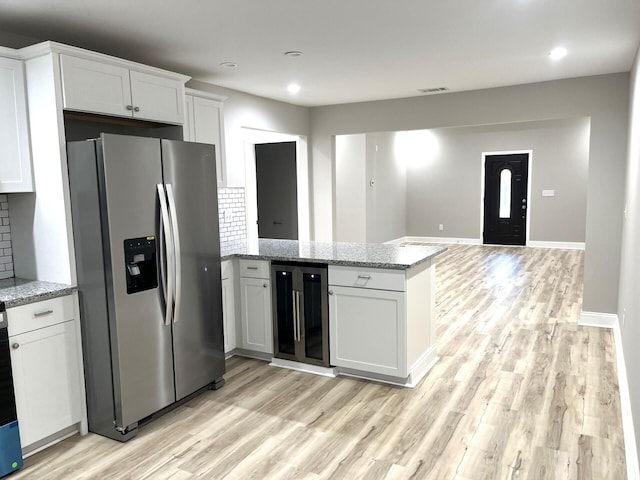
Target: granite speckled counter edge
[(388, 256), (18, 291)]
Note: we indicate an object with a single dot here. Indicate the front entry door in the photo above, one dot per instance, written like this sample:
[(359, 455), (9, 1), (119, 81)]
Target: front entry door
[(505, 199)]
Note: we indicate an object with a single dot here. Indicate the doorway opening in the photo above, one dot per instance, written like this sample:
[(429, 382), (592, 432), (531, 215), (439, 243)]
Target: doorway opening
[(258, 146), (505, 198)]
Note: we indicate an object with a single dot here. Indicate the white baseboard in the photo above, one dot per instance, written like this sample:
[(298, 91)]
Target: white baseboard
[(478, 241), (561, 245), (609, 320), (597, 319), (445, 240)]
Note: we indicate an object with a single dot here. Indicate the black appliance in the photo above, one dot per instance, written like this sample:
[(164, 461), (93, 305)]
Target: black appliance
[(11, 450), (300, 312)]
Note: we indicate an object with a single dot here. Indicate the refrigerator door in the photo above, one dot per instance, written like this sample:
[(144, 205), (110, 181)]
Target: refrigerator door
[(140, 341), (190, 177)]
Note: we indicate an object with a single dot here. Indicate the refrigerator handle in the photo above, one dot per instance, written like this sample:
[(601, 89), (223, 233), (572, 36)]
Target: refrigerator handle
[(173, 214), (166, 250)]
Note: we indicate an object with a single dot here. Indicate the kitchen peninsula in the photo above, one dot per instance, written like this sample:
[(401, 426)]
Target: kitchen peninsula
[(381, 304)]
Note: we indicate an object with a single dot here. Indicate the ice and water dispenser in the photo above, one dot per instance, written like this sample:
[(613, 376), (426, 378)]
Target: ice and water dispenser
[(140, 260)]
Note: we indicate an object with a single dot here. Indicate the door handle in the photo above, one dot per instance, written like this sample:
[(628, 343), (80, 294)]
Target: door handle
[(294, 302), (298, 315), (43, 313), (173, 217), (166, 255)]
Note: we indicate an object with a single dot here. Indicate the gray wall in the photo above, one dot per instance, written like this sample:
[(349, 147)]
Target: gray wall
[(603, 98), (629, 306), (366, 212), (447, 190), (350, 192), (386, 199)]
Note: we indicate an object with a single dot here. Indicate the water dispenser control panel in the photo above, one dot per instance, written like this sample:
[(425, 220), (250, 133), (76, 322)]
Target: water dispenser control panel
[(140, 264)]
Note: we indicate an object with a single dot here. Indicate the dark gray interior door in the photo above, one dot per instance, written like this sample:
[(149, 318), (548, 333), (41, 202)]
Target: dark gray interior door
[(277, 187), (505, 199)]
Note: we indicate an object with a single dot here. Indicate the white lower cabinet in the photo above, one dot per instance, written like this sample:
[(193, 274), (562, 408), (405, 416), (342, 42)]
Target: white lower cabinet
[(46, 368), (255, 307), (367, 330), (228, 306)]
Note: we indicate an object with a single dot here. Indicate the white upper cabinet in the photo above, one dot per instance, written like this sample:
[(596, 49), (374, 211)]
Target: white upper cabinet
[(112, 89), (204, 124), (15, 152)]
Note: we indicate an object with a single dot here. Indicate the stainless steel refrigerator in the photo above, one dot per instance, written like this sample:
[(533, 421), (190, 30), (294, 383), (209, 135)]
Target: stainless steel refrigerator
[(145, 228)]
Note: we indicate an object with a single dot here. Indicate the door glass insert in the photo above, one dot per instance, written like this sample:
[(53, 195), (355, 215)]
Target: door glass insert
[(312, 298), (505, 193), (284, 291)]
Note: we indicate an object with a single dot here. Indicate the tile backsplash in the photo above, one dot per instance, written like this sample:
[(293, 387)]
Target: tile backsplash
[(6, 253), (232, 214)]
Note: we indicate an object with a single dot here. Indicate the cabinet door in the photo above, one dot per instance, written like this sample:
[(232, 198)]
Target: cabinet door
[(90, 86), (207, 128), (47, 380), (367, 330), (228, 314), (15, 153), (255, 295), (157, 98)]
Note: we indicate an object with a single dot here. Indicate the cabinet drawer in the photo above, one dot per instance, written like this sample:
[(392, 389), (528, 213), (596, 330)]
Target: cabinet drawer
[(254, 268), (33, 316), (377, 278)]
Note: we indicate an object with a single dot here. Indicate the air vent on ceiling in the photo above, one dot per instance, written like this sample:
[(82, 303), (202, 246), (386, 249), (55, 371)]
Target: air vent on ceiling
[(433, 90)]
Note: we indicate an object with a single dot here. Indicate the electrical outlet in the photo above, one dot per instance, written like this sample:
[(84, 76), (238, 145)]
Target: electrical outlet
[(441, 227)]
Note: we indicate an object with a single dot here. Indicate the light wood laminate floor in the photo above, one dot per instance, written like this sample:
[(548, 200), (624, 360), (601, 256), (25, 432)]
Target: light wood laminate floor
[(520, 392)]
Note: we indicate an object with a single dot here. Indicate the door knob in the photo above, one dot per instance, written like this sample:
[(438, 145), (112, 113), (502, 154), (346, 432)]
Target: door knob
[(265, 285), (15, 346), (524, 207)]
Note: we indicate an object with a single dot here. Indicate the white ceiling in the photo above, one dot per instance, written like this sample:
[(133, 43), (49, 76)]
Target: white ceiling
[(354, 50)]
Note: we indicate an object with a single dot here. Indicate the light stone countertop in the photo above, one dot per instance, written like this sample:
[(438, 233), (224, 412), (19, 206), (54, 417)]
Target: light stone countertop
[(17, 291), (332, 253)]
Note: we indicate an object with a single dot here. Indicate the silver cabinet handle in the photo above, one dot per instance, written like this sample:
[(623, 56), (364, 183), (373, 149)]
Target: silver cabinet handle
[(365, 277), (129, 107), (298, 315), (265, 285), (43, 313), (252, 268), (295, 315), (173, 217), (166, 251), (330, 292), (136, 109), (15, 346)]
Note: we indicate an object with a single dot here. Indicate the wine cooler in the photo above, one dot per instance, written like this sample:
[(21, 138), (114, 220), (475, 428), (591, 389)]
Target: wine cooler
[(300, 312)]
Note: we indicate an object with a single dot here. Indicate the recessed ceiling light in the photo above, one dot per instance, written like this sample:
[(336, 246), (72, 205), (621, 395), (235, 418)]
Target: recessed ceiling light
[(293, 53), (229, 64), (558, 53), (293, 88)]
